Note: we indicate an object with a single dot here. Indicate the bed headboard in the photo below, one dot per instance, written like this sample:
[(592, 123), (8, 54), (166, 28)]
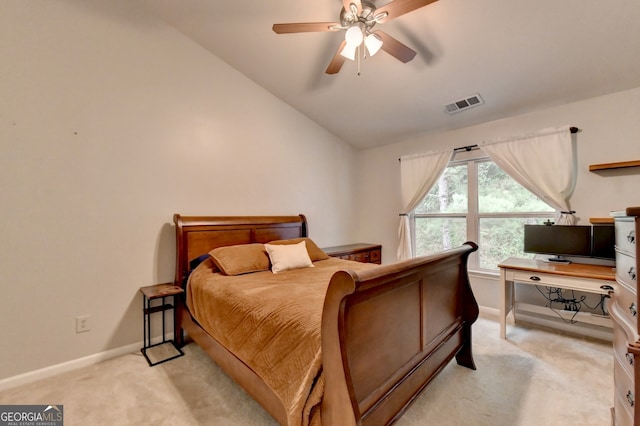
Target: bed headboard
[(198, 235)]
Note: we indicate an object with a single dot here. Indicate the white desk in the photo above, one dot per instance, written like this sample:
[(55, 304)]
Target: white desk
[(572, 276)]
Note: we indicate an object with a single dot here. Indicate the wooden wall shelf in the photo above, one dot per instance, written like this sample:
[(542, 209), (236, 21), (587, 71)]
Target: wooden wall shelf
[(601, 220), (609, 166)]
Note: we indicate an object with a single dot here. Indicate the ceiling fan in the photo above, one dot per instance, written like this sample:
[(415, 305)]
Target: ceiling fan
[(358, 18)]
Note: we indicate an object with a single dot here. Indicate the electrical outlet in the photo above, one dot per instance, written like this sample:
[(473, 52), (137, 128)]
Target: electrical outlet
[(82, 324)]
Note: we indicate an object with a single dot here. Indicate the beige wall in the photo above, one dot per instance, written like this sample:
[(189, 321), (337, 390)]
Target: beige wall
[(610, 133), (110, 122)]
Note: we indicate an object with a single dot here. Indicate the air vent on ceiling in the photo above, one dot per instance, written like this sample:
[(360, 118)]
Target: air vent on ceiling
[(463, 104)]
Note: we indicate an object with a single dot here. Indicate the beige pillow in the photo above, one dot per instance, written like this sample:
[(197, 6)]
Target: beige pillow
[(240, 259), (288, 256), (315, 252)]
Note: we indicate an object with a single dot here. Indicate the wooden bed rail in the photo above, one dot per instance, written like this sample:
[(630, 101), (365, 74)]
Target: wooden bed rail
[(387, 331)]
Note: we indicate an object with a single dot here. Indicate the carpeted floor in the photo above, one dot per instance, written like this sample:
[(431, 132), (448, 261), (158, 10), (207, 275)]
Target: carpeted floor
[(536, 377)]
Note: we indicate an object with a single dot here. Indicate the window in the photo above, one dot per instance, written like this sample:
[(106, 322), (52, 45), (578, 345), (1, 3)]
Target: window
[(476, 200)]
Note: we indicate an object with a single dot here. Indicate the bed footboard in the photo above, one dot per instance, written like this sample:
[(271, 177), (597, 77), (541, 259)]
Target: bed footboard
[(388, 331)]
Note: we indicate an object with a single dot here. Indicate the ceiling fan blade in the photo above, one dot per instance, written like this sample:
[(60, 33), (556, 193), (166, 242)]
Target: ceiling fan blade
[(400, 7), (309, 27), (394, 48), (347, 5), (337, 61)]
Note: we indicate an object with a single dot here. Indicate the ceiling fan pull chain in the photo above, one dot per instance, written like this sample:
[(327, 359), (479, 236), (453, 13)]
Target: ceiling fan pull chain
[(359, 57)]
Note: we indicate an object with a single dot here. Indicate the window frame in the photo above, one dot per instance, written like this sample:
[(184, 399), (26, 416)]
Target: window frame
[(473, 215)]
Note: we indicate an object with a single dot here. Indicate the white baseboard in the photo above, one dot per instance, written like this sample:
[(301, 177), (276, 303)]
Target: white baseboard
[(490, 313), (591, 326), (43, 373), (596, 327), (74, 364), (53, 370)]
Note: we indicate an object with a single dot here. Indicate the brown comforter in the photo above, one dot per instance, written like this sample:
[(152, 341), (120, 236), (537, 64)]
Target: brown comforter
[(272, 323)]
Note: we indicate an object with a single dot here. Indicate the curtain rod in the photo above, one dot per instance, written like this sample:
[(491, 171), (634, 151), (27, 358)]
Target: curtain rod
[(472, 147)]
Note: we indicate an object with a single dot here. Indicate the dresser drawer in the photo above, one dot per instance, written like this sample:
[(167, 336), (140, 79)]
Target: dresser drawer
[(620, 349), (366, 253), (626, 235), (554, 280), (375, 256), (624, 390), (622, 416), (360, 257), (627, 305), (626, 269), (622, 321)]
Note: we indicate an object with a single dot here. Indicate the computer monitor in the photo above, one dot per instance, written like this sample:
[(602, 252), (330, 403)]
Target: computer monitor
[(603, 241), (558, 240)]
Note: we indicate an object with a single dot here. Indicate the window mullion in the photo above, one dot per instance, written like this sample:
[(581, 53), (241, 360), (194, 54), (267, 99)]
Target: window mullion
[(412, 229), (472, 213)]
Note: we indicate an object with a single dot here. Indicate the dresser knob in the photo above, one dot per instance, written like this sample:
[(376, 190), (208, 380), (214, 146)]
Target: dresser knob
[(534, 278), (630, 398), (632, 273), (632, 309), (629, 358), (606, 287), (631, 237)]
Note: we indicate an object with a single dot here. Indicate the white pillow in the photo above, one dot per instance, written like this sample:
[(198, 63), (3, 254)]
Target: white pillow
[(288, 256)]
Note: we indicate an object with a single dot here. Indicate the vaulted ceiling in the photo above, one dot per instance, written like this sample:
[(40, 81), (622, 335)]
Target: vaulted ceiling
[(519, 56)]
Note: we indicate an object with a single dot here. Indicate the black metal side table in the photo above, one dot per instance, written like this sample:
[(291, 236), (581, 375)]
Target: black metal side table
[(149, 294)]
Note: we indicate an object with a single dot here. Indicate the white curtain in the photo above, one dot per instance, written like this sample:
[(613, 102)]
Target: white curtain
[(544, 163), (418, 173)]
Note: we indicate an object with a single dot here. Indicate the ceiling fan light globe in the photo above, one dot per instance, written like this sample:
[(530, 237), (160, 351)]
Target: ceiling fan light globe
[(373, 44), (353, 36), (349, 51)]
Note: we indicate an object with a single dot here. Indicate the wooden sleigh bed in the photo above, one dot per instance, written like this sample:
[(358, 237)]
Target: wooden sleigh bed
[(384, 331)]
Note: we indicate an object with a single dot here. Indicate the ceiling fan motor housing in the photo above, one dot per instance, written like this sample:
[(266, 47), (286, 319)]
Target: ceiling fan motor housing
[(366, 17)]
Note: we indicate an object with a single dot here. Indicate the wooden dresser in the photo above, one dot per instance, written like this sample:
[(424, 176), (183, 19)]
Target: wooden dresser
[(624, 312), (365, 253)]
